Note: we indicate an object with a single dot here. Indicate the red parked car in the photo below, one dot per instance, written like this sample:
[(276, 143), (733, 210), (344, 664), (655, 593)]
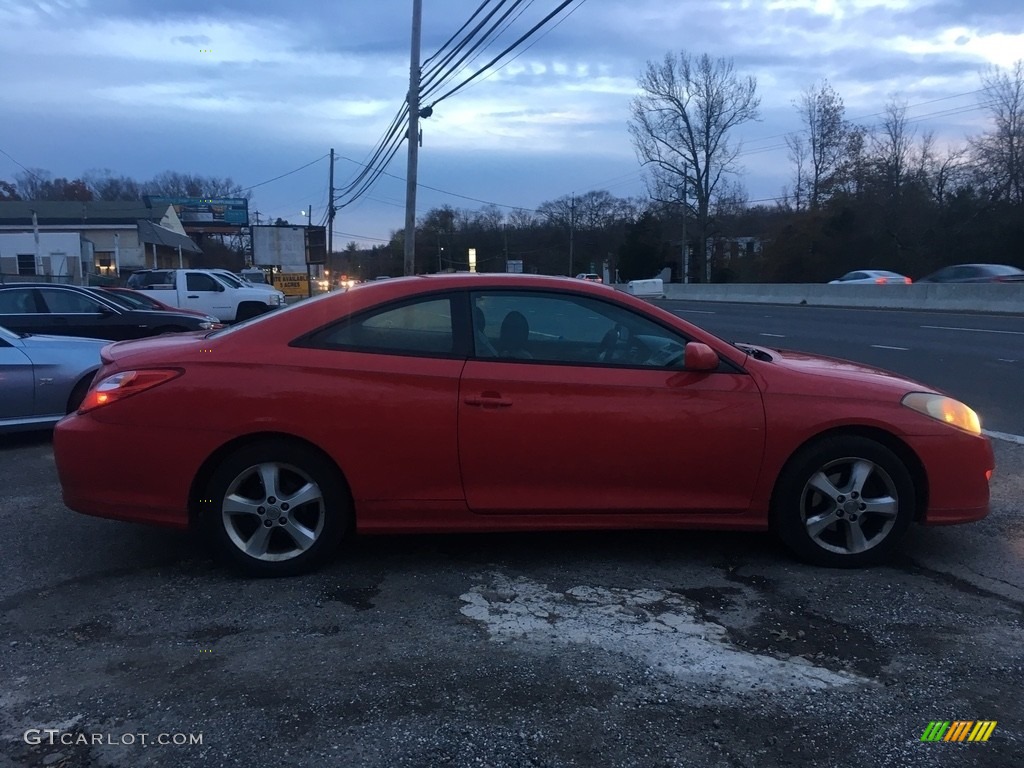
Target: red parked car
[(509, 402)]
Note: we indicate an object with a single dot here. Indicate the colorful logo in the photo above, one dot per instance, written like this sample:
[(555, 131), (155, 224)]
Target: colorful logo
[(958, 730)]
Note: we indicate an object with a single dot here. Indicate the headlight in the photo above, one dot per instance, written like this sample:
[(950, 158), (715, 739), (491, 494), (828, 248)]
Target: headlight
[(944, 409), (206, 325)]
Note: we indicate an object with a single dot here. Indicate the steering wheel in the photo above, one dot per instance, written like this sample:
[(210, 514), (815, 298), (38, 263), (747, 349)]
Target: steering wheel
[(619, 345)]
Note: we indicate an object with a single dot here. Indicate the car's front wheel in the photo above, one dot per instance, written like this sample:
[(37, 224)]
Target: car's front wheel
[(845, 501), (276, 508)]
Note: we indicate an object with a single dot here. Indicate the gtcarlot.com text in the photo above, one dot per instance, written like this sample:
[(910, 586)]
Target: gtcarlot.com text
[(54, 736)]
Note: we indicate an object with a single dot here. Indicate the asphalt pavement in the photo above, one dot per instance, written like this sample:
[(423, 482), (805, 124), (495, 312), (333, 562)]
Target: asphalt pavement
[(597, 649)]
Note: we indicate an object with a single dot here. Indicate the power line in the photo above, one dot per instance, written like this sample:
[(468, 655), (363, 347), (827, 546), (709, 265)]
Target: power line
[(289, 173), (561, 6)]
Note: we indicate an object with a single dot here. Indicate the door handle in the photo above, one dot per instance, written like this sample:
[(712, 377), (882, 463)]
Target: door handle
[(192, 296), (488, 400)]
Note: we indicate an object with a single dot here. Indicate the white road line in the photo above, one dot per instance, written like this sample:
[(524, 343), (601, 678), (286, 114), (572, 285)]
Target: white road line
[(976, 330), (886, 346), (1005, 360), (774, 335), (1018, 439)]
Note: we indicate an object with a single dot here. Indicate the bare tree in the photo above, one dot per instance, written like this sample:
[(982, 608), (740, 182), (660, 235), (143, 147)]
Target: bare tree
[(520, 218), (175, 184), (680, 128), (822, 111), (34, 184), (105, 185), (798, 155), (942, 174), (893, 147), (1000, 152)]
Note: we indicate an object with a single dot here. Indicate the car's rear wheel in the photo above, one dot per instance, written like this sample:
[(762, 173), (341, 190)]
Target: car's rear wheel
[(248, 310), (78, 393), (277, 508), (844, 502)]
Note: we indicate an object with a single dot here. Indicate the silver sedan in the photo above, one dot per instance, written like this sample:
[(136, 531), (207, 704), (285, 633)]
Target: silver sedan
[(43, 378)]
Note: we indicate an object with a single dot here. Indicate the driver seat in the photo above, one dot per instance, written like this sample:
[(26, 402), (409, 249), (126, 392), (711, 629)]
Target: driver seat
[(513, 336)]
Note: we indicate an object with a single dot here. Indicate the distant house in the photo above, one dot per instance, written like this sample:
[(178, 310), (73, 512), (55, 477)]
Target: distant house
[(113, 237)]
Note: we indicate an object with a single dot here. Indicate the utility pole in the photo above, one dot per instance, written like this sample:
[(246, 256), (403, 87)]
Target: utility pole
[(572, 230), (309, 269), (414, 139), (330, 211), (686, 247)]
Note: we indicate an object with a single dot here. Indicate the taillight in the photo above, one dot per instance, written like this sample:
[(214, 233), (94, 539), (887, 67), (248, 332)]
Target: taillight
[(907, 280), (880, 280), (118, 386)]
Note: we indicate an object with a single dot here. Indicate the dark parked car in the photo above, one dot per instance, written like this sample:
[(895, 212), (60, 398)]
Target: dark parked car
[(68, 310), (976, 273), (132, 299)]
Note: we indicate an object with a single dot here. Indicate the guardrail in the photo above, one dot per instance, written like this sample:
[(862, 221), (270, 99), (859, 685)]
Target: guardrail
[(961, 297)]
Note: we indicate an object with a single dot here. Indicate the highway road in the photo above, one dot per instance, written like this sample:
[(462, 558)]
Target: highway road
[(976, 358)]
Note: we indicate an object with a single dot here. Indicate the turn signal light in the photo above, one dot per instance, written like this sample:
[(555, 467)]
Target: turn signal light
[(118, 386)]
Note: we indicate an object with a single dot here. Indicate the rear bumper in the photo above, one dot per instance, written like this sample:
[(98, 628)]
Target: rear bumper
[(114, 471)]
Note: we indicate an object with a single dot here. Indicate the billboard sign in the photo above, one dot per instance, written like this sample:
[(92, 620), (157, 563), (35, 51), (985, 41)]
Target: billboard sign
[(282, 247), (205, 212)]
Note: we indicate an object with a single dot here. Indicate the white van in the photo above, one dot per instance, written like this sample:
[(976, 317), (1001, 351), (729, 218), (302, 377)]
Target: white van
[(650, 289)]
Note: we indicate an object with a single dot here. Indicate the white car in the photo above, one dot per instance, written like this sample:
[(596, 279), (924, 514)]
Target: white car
[(240, 281), (872, 276)]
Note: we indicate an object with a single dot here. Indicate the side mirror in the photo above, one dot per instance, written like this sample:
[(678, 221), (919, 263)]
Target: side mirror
[(700, 357)]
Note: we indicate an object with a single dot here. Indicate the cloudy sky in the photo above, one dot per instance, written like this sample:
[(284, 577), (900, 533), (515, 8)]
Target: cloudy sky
[(255, 89)]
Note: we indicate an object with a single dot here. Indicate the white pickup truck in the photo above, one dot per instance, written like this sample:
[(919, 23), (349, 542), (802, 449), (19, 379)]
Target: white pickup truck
[(206, 291)]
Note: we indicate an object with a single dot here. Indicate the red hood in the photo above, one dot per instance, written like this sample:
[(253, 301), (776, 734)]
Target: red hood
[(833, 374)]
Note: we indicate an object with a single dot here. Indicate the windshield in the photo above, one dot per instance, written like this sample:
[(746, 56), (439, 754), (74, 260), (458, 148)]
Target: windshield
[(123, 300), (228, 277)]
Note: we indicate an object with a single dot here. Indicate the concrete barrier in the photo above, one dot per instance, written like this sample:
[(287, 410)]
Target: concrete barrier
[(963, 297)]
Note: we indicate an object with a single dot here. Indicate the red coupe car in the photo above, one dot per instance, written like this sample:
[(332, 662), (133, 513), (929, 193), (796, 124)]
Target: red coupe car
[(509, 402)]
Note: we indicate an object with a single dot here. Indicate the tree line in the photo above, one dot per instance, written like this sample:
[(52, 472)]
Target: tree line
[(40, 184)]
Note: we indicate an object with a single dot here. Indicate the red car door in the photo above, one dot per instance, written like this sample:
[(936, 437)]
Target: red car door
[(546, 430)]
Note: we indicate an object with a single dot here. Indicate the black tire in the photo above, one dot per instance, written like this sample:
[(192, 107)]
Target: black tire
[(293, 538), (862, 518), (248, 310), (78, 393)]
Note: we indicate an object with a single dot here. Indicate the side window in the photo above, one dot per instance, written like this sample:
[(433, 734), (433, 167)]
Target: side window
[(17, 301), (197, 281), (142, 280), (422, 327), (68, 302), (569, 329)]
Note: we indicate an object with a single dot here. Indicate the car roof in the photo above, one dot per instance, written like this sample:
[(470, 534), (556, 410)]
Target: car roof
[(46, 285)]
